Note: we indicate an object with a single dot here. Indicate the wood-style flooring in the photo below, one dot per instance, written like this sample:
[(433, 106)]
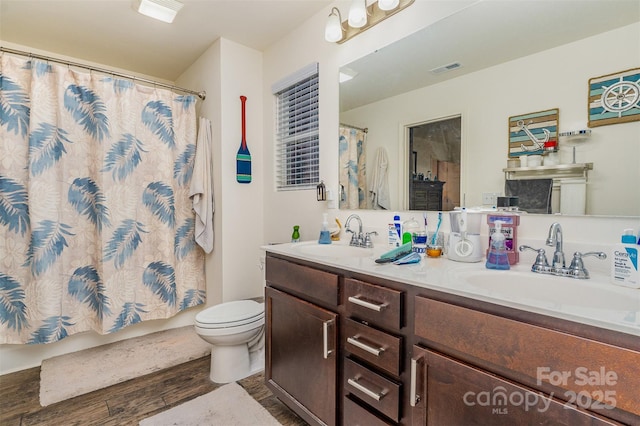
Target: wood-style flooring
[(125, 403)]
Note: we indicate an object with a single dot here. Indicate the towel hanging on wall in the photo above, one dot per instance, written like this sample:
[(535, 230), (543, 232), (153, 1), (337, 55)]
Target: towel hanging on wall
[(201, 190), (379, 192)]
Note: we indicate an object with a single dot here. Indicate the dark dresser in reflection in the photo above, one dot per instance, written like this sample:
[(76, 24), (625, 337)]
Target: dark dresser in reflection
[(425, 195)]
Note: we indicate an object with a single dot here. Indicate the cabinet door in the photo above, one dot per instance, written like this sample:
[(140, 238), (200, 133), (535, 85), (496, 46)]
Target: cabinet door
[(301, 356), (448, 392)]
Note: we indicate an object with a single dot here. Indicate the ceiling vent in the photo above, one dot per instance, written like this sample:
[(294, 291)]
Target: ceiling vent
[(446, 68)]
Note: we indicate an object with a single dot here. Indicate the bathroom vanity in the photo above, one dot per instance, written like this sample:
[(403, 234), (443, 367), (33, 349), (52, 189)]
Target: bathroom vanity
[(353, 342)]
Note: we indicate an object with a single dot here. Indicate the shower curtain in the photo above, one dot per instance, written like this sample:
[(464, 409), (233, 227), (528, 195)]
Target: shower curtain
[(353, 167), (96, 226)]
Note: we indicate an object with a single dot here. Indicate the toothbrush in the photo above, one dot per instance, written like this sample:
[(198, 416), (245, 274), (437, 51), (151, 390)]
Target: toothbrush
[(435, 234), (424, 214)]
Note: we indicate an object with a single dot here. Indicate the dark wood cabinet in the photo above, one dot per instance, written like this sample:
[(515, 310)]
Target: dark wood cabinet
[(348, 348), (301, 367), (448, 392), (425, 195)]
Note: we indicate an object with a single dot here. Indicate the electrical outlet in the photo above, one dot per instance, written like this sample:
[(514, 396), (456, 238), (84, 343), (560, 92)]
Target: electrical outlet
[(490, 198)]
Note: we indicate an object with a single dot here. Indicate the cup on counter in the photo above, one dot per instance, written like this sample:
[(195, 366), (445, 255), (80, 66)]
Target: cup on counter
[(435, 246), (419, 242)]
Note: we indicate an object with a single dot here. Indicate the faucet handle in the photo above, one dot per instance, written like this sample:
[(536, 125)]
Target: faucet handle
[(541, 258), (577, 265), (367, 239)]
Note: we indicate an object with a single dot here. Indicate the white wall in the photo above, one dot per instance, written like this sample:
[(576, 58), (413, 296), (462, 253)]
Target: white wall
[(226, 71), (301, 47), (555, 78)]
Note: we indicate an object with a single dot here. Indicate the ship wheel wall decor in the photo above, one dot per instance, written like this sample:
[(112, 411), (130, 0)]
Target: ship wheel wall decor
[(614, 98)]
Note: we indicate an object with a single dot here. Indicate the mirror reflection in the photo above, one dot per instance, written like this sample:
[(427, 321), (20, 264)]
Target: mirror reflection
[(474, 65), (434, 149)]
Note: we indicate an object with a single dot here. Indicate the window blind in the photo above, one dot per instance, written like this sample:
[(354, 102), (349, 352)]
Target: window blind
[(297, 134)]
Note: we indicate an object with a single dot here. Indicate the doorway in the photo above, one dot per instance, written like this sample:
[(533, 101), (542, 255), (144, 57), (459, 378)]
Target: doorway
[(434, 159)]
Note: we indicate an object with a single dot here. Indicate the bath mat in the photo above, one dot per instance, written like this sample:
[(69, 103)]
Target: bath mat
[(229, 405), (77, 373)]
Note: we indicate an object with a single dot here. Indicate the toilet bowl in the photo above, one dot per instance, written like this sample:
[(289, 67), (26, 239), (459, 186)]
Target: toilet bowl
[(236, 333)]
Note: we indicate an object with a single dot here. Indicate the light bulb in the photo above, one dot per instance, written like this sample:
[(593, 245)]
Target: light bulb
[(358, 14), (333, 29), (388, 4)]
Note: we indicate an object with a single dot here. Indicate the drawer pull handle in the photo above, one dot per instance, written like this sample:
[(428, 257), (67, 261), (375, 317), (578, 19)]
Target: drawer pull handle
[(325, 339), (375, 395), (373, 306), (414, 398), (355, 342)]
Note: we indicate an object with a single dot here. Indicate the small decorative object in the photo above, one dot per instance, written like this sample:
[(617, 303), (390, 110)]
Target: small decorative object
[(614, 98), (243, 157), (321, 192), (534, 133)]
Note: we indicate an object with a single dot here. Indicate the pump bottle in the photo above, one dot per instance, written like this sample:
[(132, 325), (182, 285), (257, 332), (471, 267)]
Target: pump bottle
[(497, 257), (325, 235)]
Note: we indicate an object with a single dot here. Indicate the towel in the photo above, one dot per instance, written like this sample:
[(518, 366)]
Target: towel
[(201, 189), (534, 195), (380, 182)]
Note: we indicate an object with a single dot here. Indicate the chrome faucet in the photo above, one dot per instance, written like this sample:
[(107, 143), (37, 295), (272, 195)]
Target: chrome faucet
[(558, 267), (359, 239), (555, 237), (356, 238)]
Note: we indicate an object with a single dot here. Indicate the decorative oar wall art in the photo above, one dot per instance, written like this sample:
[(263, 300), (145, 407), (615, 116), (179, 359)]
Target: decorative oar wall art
[(243, 157)]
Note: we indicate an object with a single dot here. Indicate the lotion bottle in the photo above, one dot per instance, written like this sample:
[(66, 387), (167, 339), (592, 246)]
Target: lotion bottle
[(624, 264), (497, 257)]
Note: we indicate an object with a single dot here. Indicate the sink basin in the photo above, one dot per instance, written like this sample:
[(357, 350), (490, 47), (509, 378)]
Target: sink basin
[(332, 250), (545, 290)]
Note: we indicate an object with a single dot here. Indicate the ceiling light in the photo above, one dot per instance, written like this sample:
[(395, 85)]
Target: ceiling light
[(162, 10), (361, 18), (358, 14), (333, 29), (388, 4)]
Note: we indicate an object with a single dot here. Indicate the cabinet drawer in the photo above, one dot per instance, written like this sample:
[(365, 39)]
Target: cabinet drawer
[(375, 346), (380, 305), (303, 281), (356, 415), (375, 390), (557, 363)]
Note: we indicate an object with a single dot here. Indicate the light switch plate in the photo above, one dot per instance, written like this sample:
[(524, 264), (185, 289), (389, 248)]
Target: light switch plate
[(490, 198)]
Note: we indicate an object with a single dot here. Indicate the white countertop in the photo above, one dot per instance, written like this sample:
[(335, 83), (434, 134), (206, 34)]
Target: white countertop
[(594, 301)]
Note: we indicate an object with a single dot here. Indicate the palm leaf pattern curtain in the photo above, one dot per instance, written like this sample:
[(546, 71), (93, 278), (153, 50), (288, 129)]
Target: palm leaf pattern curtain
[(353, 168), (96, 225)]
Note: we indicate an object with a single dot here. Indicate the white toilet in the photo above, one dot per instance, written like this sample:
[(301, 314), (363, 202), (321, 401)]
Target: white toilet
[(236, 331)]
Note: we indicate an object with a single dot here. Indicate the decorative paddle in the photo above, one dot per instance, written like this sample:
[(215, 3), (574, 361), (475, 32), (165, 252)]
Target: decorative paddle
[(243, 158)]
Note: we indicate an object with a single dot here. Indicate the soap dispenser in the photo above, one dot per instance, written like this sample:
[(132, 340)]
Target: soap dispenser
[(325, 235), (497, 257)]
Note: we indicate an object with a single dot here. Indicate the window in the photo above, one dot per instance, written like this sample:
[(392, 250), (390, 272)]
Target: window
[(297, 136)]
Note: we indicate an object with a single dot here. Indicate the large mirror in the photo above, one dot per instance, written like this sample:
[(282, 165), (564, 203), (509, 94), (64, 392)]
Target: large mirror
[(484, 64)]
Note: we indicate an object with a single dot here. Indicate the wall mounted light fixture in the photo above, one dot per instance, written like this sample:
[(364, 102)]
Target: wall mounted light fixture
[(361, 17), (162, 10)]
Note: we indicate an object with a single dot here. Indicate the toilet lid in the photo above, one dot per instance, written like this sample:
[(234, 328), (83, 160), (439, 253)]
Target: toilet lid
[(231, 313)]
